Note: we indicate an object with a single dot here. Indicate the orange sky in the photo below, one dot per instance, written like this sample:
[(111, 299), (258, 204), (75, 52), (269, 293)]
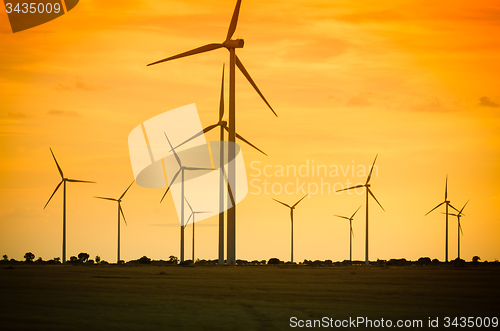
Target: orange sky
[(414, 81)]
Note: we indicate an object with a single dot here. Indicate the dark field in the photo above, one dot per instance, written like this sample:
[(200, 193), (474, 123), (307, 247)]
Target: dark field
[(99, 297)]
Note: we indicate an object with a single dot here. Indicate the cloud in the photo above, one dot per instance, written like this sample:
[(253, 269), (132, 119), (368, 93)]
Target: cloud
[(17, 114), (64, 113), (80, 84), (487, 102)]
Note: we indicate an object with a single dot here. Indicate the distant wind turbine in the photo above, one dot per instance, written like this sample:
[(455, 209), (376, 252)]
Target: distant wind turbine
[(223, 126), (368, 192), (120, 210), (193, 215), (234, 62), (460, 214), (447, 205), (181, 171), (351, 233), (63, 181), (291, 217)]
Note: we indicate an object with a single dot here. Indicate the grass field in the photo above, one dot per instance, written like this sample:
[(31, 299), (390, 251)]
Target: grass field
[(98, 297)]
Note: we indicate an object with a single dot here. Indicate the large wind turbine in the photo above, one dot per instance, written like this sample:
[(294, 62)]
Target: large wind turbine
[(447, 205), (234, 61), (193, 215), (181, 170), (351, 233), (291, 217), (368, 192), (223, 126), (63, 181), (120, 210), (460, 214)]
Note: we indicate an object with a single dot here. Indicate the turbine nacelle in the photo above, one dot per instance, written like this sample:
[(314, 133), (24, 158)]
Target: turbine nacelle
[(236, 43)]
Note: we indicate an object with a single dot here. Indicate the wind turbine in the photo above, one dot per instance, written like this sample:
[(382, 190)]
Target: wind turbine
[(181, 170), (368, 192), (234, 61), (351, 233), (63, 181), (223, 126), (120, 210), (291, 217), (447, 205), (460, 214), (193, 214)]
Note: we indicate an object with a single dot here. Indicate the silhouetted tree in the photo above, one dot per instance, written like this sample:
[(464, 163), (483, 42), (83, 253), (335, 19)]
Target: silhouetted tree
[(83, 257), (97, 259), (5, 257), (73, 259), (29, 257), (273, 261), (57, 259), (145, 260), (173, 259), (475, 259), (39, 260)]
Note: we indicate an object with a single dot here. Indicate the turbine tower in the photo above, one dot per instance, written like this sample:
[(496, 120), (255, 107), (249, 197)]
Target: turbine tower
[(193, 215), (291, 217), (120, 210), (448, 204), (181, 171), (351, 233), (368, 192), (223, 126), (459, 215), (63, 181), (231, 45)]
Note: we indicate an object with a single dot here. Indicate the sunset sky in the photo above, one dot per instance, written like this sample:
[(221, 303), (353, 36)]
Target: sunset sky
[(415, 81)]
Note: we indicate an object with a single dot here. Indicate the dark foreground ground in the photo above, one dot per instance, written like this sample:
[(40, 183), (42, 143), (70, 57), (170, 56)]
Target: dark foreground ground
[(235, 298)]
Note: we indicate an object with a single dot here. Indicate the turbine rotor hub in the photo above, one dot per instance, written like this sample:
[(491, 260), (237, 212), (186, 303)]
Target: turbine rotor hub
[(237, 43)]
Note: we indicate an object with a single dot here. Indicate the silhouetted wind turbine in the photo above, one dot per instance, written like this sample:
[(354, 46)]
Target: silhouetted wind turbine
[(193, 214), (181, 170), (447, 204), (120, 210), (223, 126), (291, 217), (460, 214), (234, 62), (351, 233), (368, 191), (63, 181)]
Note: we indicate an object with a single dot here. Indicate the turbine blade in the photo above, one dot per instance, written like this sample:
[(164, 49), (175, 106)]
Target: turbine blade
[(371, 170), (446, 189), (57, 187), (282, 203), (121, 210), (247, 75), (454, 207), (187, 222), (464, 207), (247, 142), (57, 164), (221, 105), (231, 196), (234, 20), (205, 130), (106, 198), (356, 211), (460, 227), (168, 188), (370, 191), (79, 181), (449, 214), (342, 217), (435, 208), (300, 200), (173, 150), (126, 190), (191, 208), (349, 188), (202, 49), (193, 168), (352, 232)]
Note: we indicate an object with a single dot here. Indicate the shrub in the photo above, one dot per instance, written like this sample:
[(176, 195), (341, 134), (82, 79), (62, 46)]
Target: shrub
[(273, 261)]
